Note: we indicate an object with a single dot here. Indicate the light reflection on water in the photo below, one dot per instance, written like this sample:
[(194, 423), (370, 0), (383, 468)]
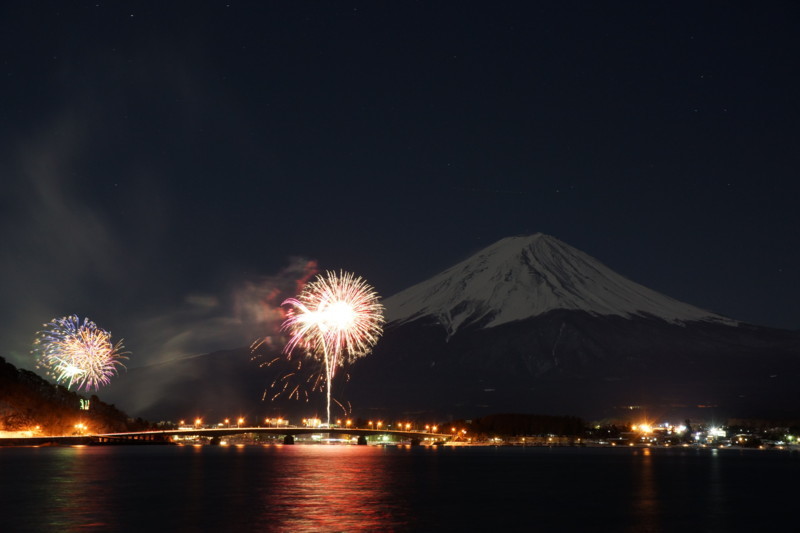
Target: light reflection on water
[(72, 489), (645, 501), (360, 488), (332, 488)]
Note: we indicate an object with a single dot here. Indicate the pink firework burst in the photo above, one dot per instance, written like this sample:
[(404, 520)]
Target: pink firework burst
[(336, 319)]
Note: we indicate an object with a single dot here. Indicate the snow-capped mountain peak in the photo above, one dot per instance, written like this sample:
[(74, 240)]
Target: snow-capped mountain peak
[(522, 277)]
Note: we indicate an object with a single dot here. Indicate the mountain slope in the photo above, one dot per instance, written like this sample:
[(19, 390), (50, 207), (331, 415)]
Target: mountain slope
[(565, 362)]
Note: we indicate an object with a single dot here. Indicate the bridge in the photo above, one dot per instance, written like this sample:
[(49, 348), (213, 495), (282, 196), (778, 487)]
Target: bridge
[(167, 436)]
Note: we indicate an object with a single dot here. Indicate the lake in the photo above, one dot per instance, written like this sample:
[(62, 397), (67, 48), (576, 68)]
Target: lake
[(396, 488)]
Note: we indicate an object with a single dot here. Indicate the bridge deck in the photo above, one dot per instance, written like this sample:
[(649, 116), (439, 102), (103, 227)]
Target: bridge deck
[(143, 437), (283, 431)]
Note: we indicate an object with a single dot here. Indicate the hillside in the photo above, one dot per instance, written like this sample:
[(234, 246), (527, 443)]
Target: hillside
[(29, 403)]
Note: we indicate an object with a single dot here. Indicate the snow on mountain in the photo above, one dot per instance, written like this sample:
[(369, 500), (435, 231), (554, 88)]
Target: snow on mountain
[(522, 277)]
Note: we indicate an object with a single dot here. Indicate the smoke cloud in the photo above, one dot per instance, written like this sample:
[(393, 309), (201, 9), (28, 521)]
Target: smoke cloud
[(206, 322)]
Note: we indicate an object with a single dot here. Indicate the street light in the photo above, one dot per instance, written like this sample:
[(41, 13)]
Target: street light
[(239, 422), (379, 424)]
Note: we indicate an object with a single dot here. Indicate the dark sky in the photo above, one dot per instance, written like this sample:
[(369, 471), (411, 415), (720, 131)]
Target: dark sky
[(163, 165)]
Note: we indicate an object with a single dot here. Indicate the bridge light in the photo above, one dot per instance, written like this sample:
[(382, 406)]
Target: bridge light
[(408, 426), (349, 422), (435, 428), (239, 422), (198, 421), (379, 424)]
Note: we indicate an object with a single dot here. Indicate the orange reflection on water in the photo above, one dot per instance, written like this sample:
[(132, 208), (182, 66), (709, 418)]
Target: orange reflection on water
[(332, 488), (645, 512), (78, 489)]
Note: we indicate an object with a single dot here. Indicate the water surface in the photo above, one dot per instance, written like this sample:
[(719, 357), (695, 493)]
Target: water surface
[(373, 488)]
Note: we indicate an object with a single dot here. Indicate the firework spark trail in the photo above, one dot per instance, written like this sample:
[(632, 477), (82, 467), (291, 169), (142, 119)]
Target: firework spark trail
[(77, 353), (336, 319)]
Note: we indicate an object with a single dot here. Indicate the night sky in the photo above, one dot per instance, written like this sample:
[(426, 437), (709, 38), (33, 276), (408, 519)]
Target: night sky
[(165, 165)]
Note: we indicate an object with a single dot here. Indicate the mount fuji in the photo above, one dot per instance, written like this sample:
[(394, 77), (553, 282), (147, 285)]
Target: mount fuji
[(532, 324), (519, 278), (528, 324)]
